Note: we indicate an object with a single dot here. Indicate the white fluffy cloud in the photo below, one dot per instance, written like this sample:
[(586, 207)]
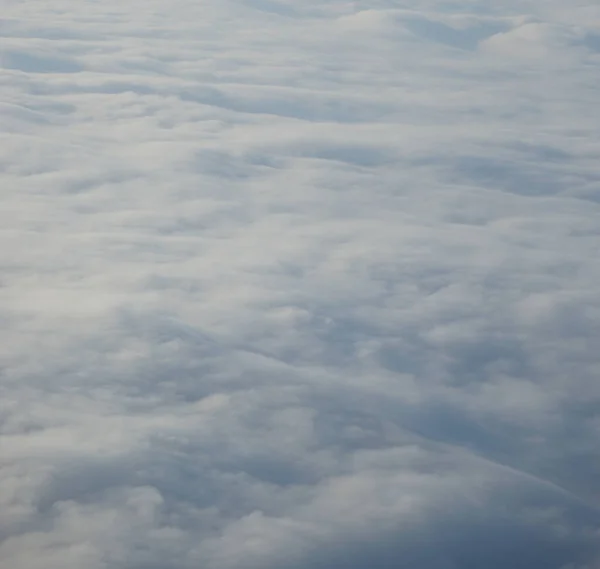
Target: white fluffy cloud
[(299, 285)]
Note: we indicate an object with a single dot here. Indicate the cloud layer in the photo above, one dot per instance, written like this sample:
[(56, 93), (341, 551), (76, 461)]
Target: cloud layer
[(299, 285)]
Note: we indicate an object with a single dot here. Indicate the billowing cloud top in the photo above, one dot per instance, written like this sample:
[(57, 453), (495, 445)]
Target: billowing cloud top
[(300, 284)]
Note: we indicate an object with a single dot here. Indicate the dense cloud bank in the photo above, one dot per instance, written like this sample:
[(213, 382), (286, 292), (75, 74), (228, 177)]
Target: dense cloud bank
[(300, 285)]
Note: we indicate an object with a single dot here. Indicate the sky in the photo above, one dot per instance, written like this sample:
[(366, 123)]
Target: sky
[(299, 284)]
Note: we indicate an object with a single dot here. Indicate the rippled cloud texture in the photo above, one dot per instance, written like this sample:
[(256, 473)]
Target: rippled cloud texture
[(300, 284)]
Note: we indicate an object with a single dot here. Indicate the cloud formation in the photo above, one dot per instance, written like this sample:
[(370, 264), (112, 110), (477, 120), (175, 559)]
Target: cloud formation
[(299, 285)]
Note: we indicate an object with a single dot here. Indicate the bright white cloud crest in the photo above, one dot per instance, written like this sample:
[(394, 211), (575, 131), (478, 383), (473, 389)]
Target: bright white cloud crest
[(300, 285)]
